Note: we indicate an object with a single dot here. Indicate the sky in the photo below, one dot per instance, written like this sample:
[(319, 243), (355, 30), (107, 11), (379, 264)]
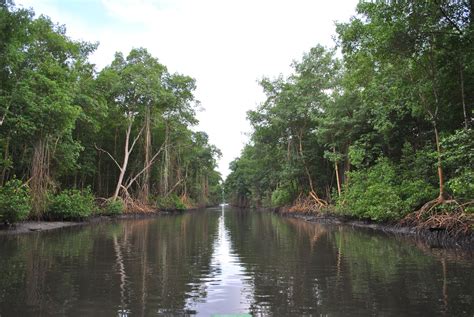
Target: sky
[(226, 45)]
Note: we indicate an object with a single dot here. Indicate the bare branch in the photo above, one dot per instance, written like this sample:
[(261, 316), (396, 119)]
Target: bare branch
[(449, 19), (152, 160), (175, 185), (135, 140), (110, 155), (5, 114)]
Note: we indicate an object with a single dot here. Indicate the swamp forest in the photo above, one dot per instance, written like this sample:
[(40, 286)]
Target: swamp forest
[(354, 195), (377, 127), (382, 132)]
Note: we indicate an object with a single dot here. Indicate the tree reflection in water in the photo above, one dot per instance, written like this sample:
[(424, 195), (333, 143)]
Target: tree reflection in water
[(231, 261)]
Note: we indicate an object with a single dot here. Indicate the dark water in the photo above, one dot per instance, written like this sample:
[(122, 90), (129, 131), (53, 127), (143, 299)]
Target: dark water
[(229, 262)]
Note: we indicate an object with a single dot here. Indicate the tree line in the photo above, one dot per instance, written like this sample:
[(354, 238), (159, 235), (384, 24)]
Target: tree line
[(378, 126), (68, 130)]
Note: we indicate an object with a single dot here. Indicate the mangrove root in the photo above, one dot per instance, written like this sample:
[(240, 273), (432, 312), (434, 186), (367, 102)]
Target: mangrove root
[(310, 203), (442, 214)]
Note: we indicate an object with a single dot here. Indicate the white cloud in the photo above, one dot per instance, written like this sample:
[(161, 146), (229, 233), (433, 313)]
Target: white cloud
[(226, 45)]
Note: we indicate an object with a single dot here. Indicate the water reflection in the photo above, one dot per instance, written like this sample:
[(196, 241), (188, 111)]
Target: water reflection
[(226, 290), (134, 267), (226, 261), (300, 268)]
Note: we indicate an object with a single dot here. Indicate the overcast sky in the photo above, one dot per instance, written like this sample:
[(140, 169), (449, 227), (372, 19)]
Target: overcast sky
[(226, 45)]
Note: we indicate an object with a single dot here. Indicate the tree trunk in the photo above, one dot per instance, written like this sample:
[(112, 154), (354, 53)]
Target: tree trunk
[(471, 11), (39, 176), (99, 175), (186, 182), (336, 168), (123, 168), (308, 174), (5, 168), (165, 173), (442, 193), (145, 188), (347, 167), (463, 96), (288, 156)]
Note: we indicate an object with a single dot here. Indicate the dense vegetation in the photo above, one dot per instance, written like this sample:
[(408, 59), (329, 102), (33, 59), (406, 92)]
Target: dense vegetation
[(70, 133), (378, 133)]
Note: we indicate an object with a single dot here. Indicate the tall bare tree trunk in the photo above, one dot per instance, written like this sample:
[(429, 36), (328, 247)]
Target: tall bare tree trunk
[(336, 168), (166, 162), (5, 168), (123, 168), (308, 174), (442, 193), (145, 188), (185, 194), (40, 176), (434, 118), (463, 96), (99, 174)]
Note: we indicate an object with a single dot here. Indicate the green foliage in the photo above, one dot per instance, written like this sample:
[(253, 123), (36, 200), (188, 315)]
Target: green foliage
[(71, 204), (373, 194), (59, 118), (113, 208), (15, 202), (281, 197), (458, 156), (374, 117), (171, 202), (379, 194), (356, 155), (462, 185), (416, 192), (406, 69)]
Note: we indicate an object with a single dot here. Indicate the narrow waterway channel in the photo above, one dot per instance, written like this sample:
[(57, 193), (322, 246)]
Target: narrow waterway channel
[(227, 261)]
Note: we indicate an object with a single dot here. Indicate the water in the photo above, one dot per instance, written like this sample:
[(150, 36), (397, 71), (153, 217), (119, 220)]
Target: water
[(221, 262)]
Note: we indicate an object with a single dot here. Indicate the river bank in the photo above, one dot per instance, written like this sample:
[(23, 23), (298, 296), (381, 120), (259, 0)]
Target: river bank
[(435, 238), (43, 225)]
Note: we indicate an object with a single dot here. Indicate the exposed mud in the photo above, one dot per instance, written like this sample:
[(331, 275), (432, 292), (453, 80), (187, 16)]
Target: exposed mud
[(36, 226)]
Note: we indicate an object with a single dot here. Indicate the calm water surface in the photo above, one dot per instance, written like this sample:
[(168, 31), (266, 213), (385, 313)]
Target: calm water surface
[(226, 261)]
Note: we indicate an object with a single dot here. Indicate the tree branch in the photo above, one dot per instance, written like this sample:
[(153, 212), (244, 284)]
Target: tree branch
[(449, 19), (175, 185), (152, 160), (110, 155), (5, 114), (135, 141)]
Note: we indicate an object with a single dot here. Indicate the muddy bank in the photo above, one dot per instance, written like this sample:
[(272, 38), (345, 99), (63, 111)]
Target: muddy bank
[(37, 226), (433, 238)]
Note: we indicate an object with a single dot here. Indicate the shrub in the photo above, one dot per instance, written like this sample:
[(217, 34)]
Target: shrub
[(458, 160), (462, 185), (170, 202), (373, 193), (416, 192), (114, 208), (384, 192), (71, 204), (15, 201), (281, 197)]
